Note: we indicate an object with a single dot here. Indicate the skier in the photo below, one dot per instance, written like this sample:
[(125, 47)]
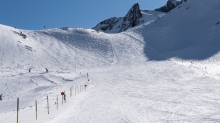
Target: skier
[(1, 97), (46, 70)]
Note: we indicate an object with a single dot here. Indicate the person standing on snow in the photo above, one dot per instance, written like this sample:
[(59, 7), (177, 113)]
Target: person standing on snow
[(46, 70)]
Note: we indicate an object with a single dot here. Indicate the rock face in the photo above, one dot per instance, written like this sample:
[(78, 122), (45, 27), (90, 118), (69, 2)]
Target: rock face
[(116, 25), (108, 24), (171, 4), (131, 19)]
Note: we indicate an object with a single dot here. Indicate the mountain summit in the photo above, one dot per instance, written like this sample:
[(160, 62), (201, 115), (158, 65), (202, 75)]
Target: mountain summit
[(133, 18)]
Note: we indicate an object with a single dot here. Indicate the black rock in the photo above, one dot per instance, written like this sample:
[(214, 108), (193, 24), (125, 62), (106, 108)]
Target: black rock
[(131, 19), (120, 24), (171, 4), (108, 24)]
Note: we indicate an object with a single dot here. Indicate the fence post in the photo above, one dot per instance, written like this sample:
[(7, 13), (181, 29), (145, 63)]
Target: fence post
[(17, 108), (47, 104), (70, 91), (75, 90), (78, 88), (85, 87), (65, 97), (87, 78), (36, 108), (62, 99)]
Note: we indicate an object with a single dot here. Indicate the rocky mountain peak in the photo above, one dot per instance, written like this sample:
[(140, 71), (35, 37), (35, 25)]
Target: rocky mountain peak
[(131, 19), (171, 4)]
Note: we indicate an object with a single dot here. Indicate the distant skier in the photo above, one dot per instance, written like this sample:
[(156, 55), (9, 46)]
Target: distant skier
[(1, 97), (29, 70), (46, 70)]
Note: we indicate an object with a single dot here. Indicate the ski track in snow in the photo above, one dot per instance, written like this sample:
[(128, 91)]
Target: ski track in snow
[(172, 94)]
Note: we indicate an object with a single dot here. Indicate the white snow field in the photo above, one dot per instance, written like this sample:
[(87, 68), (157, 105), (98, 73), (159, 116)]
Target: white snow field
[(164, 71)]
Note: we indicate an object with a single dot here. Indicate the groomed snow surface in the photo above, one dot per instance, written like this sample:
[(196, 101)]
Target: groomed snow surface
[(151, 92), (164, 71)]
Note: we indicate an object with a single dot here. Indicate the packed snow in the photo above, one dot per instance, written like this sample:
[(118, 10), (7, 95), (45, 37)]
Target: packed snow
[(165, 70)]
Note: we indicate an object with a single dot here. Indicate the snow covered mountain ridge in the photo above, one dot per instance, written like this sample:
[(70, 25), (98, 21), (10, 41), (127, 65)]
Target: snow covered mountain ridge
[(171, 4), (167, 35), (135, 17), (174, 32)]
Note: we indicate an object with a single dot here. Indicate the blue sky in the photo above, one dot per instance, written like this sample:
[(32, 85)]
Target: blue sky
[(35, 14)]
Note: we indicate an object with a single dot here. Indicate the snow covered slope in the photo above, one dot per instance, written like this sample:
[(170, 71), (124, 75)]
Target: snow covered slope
[(163, 70), (188, 32), (65, 46), (59, 50)]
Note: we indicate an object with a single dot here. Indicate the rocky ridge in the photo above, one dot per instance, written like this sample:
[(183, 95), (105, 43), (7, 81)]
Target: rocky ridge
[(120, 24), (171, 4), (134, 17)]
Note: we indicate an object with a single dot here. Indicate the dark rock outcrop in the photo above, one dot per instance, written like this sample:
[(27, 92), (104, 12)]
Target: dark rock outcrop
[(108, 24), (171, 4), (131, 19)]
